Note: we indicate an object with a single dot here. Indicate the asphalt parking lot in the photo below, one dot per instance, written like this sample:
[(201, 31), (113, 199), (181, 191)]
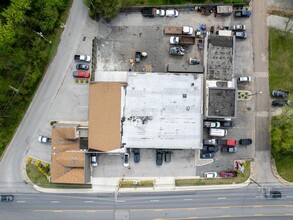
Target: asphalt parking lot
[(130, 32)]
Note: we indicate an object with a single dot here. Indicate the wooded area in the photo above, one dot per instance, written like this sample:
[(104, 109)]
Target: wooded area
[(27, 43)]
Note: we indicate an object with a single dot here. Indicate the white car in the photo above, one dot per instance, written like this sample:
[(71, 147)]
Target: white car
[(160, 12), (94, 160), (244, 79), (210, 174), (187, 30), (172, 13), (174, 40), (126, 160), (44, 139), (238, 27)]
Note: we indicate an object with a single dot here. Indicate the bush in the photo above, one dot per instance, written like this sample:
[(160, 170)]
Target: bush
[(53, 122), (29, 160), (38, 163)]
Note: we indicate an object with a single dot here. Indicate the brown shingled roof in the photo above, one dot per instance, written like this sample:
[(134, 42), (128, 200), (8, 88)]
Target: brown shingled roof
[(67, 159), (105, 115)]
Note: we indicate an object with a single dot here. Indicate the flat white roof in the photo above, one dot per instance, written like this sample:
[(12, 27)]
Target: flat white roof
[(163, 111)]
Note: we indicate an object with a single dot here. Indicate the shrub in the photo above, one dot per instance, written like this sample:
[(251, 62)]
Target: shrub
[(53, 122), (38, 163), (29, 160)]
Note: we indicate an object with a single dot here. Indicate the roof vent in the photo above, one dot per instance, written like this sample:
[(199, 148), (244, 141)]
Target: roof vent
[(184, 96)]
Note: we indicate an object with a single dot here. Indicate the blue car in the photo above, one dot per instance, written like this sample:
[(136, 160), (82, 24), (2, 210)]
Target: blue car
[(206, 155)]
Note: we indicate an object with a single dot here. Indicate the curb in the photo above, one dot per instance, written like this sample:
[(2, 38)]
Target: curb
[(277, 175)]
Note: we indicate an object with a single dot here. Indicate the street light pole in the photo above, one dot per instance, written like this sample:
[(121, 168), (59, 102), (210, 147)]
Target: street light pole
[(42, 36), (259, 92)]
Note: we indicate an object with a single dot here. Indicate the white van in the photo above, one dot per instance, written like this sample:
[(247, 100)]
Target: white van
[(171, 13), (218, 132)]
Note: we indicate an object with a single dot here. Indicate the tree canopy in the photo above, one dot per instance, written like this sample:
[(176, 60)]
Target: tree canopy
[(108, 9)]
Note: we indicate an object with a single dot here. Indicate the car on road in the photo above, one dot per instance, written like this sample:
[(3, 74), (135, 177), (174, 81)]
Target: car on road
[(171, 13), (167, 156), (241, 34), (243, 79), (228, 173), (210, 148), (177, 51), (94, 161), (159, 157), (81, 74), (81, 66), (44, 139), (280, 93), (207, 155), (6, 198), (238, 27), (210, 174), (229, 149), (227, 124), (245, 141), (126, 160), (273, 194), (136, 154), (278, 103)]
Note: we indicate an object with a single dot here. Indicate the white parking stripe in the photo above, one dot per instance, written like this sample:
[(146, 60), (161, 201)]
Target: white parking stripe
[(188, 199), (21, 201), (222, 198), (154, 200), (55, 201)]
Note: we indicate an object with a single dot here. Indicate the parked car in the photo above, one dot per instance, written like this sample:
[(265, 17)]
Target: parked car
[(241, 34), (229, 149), (187, 30), (210, 141), (238, 27), (244, 79), (44, 139), (211, 124), (6, 198), (126, 160), (136, 153), (278, 103), (137, 57), (210, 174), (167, 156), (174, 40), (210, 148), (159, 157), (172, 13), (227, 142), (207, 155), (280, 93), (273, 194), (81, 66), (94, 161), (245, 141), (226, 174), (177, 51), (227, 124), (81, 74)]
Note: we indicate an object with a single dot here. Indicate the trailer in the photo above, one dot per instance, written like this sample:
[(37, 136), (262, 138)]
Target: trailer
[(181, 68), (188, 40), (178, 30), (224, 10)]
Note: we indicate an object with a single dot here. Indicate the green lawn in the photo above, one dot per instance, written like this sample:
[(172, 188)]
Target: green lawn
[(40, 179), (281, 77)]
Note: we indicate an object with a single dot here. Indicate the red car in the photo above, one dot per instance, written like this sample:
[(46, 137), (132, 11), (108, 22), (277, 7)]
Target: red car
[(81, 74), (227, 142), (227, 174)]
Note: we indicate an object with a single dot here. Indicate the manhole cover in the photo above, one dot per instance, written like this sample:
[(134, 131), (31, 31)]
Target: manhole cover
[(248, 108)]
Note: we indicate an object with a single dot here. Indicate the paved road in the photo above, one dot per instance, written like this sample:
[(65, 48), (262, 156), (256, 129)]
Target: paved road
[(246, 202), (11, 178), (263, 172)]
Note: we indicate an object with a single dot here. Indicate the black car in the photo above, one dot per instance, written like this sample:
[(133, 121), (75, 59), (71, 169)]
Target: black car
[(278, 102), (280, 93), (245, 141), (7, 198), (136, 152), (159, 157), (227, 124), (207, 155), (81, 66), (229, 149), (273, 194), (137, 57), (167, 156), (210, 148)]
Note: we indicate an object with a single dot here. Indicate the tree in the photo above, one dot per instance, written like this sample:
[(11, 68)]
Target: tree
[(108, 9)]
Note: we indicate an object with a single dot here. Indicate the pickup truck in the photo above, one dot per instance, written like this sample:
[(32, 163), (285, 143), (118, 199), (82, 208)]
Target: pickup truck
[(178, 30), (209, 141), (227, 142), (211, 124), (183, 39), (242, 13), (84, 58), (152, 12)]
